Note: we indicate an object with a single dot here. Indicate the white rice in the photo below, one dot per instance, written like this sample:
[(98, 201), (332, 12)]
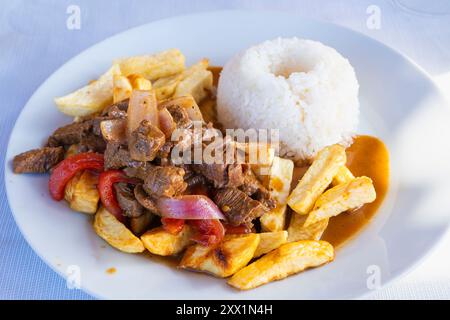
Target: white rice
[(303, 88)]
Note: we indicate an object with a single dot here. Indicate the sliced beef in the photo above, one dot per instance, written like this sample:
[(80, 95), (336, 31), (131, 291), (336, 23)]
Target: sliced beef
[(254, 188), (195, 179), (117, 110), (92, 143), (165, 181), (180, 116), (221, 175), (145, 200), (140, 224), (70, 134), (145, 142), (127, 201), (238, 207), (117, 157), (163, 155), (38, 160), (140, 172)]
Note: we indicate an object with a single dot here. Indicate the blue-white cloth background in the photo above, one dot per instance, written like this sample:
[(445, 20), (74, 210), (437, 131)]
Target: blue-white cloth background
[(34, 42)]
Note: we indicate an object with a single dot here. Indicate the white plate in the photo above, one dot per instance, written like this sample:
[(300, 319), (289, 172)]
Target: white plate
[(399, 103)]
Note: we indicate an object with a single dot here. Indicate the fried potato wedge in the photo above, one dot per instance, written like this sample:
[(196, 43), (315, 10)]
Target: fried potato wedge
[(297, 230), (288, 259), (165, 87), (153, 66), (81, 192), (116, 233), (317, 178), (196, 81), (279, 186), (91, 98), (160, 242), (224, 260), (343, 197), (121, 88), (342, 176), (269, 241), (139, 83)]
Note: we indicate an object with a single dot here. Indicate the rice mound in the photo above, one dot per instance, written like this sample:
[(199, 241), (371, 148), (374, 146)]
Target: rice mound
[(303, 88)]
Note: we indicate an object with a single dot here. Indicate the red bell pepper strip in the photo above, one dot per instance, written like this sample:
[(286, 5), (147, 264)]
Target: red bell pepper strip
[(105, 188), (207, 232), (173, 226), (67, 168)]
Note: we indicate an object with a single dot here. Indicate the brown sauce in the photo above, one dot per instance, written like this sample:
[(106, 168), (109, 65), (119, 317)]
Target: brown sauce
[(367, 156)]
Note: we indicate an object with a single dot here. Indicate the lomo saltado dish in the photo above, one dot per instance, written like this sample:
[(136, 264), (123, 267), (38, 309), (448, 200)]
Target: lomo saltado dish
[(251, 221)]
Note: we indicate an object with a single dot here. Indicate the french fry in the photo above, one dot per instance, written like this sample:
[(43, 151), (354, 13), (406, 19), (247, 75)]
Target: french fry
[(278, 264), (81, 192), (297, 230), (224, 260), (116, 233), (279, 186), (269, 241), (343, 197), (160, 242), (317, 178), (195, 81), (165, 87), (342, 176), (91, 98), (139, 83), (121, 88), (153, 66)]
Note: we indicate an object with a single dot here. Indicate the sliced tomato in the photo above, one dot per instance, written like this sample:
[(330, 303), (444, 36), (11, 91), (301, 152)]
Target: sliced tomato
[(241, 229), (105, 188), (207, 232), (173, 226), (67, 168)]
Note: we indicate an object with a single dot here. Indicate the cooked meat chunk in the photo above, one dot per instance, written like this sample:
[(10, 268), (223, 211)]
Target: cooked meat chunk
[(117, 157), (164, 153), (238, 207), (38, 160), (195, 179), (70, 134), (221, 175), (127, 201), (254, 188), (117, 110), (165, 181), (92, 143), (180, 116), (140, 172), (140, 224), (145, 142), (145, 200)]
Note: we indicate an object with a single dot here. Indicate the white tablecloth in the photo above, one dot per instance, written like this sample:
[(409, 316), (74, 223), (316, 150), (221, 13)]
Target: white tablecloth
[(35, 41)]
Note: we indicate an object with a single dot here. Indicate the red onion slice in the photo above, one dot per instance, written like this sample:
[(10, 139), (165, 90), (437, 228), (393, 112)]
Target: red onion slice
[(189, 207)]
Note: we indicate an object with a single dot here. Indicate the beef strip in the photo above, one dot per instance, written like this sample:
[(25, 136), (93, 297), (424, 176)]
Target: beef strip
[(145, 200), (140, 172), (165, 181), (140, 224), (195, 180), (70, 134), (127, 201), (117, 110), (221, 175), (180, 116), (254, 188), (238, 207), (117, 157), (145, 142), (92, 143), (38, 160)]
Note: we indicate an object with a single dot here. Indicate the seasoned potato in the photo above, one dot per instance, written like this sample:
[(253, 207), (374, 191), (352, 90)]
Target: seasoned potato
[(224, 260), (81, 192), (317, 178), (343, 197), (121, 88), (342, 176), (197, 81), (165, 87), (297, 230), (91, 98), (279, 186), (153, 66), (160, 242), (269, 241), (288, 259), (116, 233)]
